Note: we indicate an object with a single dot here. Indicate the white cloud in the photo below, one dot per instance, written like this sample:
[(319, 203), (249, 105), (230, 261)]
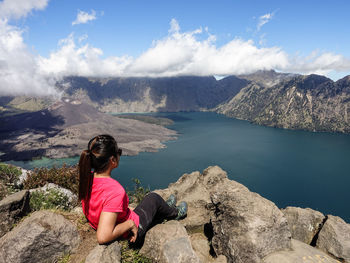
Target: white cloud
[(84, 17), (19, 74), (319, 63), (20, 8), (263, 20), (179, 53)]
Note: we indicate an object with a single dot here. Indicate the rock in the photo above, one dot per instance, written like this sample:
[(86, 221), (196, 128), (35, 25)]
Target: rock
[(72, 198), (304, 224), (201, 247), (105, 254), (300, 252), (42, 237), (12, 208), (334, 238), (246, 226), (195, 189), (168, 243), (220, 259)]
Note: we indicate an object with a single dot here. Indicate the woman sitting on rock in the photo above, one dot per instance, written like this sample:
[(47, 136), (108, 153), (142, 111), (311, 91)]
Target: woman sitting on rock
[(105, 202)]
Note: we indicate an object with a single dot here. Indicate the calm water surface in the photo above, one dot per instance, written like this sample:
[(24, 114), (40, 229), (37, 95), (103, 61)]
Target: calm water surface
[(288, 167)]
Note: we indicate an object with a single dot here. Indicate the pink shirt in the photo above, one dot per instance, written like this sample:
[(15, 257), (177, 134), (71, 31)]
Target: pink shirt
[(108, 195)]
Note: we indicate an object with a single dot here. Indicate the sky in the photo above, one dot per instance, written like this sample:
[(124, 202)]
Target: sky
[(42, 41)]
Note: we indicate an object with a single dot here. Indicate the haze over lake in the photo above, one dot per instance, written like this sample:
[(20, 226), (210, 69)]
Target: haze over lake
[(293, 168)]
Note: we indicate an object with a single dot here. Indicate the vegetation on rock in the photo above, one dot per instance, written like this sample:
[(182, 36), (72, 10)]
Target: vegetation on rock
[(65, 176), (50, 199), (8, 176)]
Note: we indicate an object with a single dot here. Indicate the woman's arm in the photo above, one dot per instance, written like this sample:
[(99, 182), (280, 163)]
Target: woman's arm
[(108, 231)]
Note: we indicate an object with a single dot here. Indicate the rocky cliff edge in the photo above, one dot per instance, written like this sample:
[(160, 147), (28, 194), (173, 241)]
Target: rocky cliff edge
[(225, 223)]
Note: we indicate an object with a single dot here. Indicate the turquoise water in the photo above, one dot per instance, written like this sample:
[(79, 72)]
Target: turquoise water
[(288, 167)]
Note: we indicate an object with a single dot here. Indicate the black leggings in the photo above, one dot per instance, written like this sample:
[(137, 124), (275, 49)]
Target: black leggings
[(152, 210)]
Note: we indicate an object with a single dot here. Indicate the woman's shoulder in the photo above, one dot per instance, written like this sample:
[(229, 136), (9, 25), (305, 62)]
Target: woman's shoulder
[(108, 184)]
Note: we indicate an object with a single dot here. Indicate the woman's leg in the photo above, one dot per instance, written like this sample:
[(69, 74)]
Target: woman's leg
[(153, 209)]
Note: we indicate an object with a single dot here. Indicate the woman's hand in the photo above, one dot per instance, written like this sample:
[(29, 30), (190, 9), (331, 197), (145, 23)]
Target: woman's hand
[(133, 231)]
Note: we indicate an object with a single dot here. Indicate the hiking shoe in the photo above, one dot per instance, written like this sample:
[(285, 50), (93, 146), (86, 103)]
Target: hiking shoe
[(182, 210), (171, 201)]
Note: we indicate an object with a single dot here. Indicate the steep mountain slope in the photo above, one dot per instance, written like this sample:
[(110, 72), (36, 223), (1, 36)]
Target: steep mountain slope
[(311, 102), (173, 94)]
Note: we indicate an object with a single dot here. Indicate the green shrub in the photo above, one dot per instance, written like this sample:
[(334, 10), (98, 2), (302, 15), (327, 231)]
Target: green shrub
[(138, 193), (8, 176), (9, 173), (130, 255), (50, 199), (65, 176)]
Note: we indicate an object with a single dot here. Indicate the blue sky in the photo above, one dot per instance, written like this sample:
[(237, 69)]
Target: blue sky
[(168, 38)]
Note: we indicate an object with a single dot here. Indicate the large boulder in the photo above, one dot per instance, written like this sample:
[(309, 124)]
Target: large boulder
[(304, 224), (12, 208), (300, 252), (169, 243), (334, 238), (42, 237), (105, 254), (246, 226), (195, 189)]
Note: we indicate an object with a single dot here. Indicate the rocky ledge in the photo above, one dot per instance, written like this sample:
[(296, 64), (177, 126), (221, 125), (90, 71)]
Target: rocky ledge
[(225, 223)]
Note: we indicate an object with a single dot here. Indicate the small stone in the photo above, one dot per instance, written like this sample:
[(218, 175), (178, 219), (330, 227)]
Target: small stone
[(105, 254), (168, 243)]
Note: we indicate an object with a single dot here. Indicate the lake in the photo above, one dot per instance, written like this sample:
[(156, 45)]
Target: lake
[(290, 168)]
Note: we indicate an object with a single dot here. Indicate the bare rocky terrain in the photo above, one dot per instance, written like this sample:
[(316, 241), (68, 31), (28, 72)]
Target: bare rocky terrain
[(313, 103), (63, 130), (225, 223)]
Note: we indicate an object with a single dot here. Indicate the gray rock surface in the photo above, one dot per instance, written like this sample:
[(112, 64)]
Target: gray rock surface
[(105, 254), (246, 226), (12, 208), (195, 189), (304, 224), (334, 238), (169, 243), (42, 237), (300, 253), (201, 247)]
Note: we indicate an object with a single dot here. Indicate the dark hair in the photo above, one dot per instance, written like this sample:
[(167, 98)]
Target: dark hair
[(96, 157)]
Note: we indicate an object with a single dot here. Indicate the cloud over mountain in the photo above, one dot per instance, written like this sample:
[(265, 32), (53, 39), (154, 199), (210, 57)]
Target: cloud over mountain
[(178, 53)]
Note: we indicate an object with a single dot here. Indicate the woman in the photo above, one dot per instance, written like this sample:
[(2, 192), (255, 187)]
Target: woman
[(105, 202)]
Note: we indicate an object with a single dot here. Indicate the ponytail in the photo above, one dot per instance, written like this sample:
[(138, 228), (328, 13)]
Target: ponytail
[(85, 175), (100, 149)]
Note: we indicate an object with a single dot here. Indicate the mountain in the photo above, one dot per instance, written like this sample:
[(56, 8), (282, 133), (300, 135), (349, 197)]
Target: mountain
[(311, 102), (63, 130), (269, 98), (188, 93), (267, 78)]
